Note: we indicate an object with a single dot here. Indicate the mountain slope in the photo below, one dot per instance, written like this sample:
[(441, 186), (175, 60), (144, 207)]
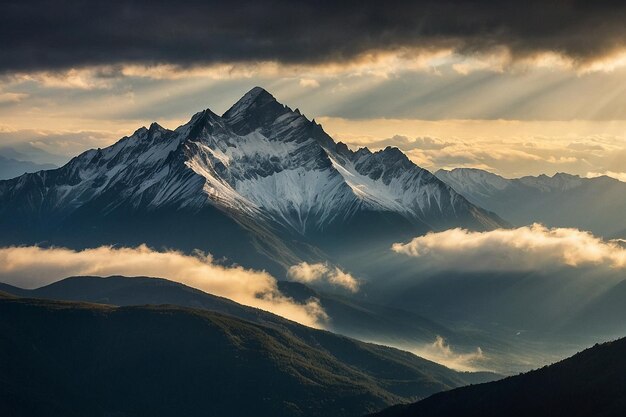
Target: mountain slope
[(594, 204), (162, 361), (354, 318), (591, 383), (261, 185)]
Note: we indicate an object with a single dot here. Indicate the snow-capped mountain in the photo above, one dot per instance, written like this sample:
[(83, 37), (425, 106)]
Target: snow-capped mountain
[(594, 204), (262, 168)]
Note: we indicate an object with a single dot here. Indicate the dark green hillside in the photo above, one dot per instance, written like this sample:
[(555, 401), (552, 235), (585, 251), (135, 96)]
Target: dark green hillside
[(76, 359), (125, 291)]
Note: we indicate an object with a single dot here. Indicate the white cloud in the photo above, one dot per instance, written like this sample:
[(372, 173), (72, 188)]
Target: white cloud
[(528, 248), (309, 83), (307, 273), (33, 266), (321, 272), (343, 279)]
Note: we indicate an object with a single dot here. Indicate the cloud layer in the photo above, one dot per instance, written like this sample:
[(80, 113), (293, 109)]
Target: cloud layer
[(32, 266), (323, 273), (42, 34), (528, 248)]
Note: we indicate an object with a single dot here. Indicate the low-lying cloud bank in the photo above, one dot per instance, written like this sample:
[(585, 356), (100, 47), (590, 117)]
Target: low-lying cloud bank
[(526, 248), (323, 273), (443, 353), (440, 351), (32, 266)]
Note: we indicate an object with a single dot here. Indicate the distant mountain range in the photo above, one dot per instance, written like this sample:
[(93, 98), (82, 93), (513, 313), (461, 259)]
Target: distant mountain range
[(69, 358), (261, 185), (594, 204), (27, 150), (591, 383), (10, 168)]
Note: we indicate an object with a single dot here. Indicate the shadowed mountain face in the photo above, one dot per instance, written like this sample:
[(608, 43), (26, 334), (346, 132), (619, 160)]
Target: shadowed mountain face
[(563, 200), (591, 383), (262, 185), (65, 359)]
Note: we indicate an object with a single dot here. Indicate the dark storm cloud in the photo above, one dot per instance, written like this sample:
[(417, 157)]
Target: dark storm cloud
[(59, 34)]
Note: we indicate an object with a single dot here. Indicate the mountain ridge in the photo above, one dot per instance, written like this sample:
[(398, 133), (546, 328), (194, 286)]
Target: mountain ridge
[(262, 169), (563, 200)]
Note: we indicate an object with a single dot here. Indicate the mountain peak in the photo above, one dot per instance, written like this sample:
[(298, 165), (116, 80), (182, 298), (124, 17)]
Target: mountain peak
[(256, 97), (156, 130), (257, 108), (257, 91), (155, 126), (197, 124)]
